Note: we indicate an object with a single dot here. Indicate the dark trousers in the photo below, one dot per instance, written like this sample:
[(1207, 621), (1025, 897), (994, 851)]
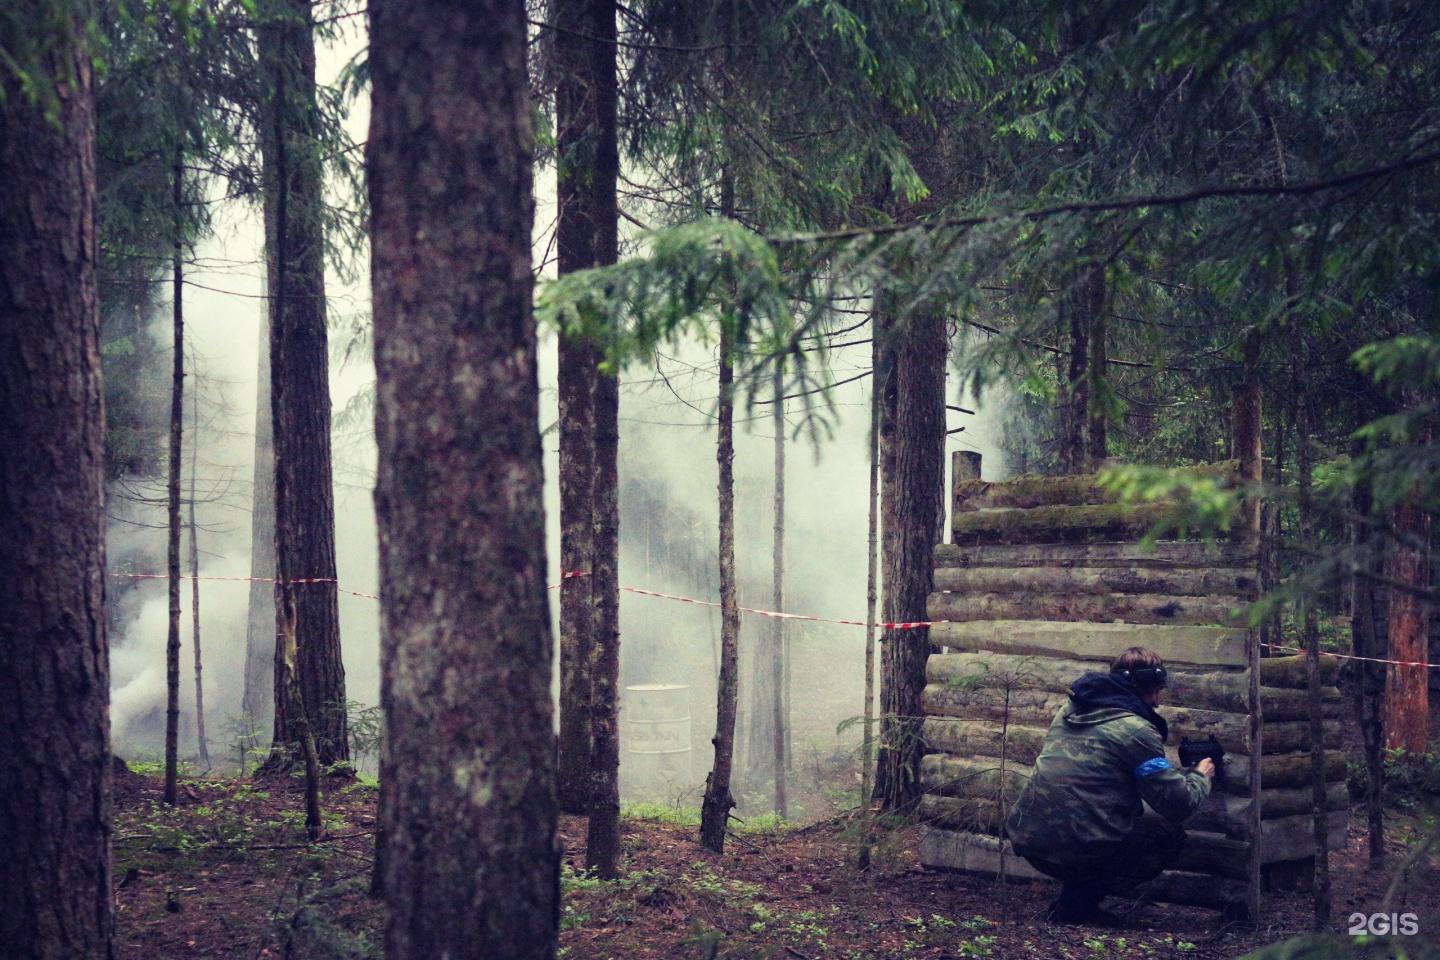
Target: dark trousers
[(1109, 869)]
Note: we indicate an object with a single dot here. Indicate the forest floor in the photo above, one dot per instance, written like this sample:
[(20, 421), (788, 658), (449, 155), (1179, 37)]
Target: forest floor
[(227, 873)]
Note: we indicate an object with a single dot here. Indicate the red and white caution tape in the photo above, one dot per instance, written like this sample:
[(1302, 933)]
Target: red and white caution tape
[(1349, 656)]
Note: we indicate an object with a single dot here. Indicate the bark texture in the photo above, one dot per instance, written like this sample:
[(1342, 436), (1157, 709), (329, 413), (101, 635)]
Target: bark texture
[(300, 385), (200, 740), (781, 696), (602, 838), (172, 563), (1407, 694), (469, 809), (55, 899), (578, 62), (258, 702), (914, 488), (715, 808)]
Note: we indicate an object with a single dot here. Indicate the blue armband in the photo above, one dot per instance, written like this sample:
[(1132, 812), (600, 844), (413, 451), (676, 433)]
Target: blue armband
[(1152, 766)]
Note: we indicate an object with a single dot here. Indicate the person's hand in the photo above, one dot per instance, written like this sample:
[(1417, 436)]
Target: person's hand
[(1207, 767)]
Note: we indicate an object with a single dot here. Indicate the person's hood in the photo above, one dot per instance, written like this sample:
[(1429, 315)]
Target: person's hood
[(1101, 697)]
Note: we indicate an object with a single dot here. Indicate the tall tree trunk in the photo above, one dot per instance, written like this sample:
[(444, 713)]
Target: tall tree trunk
[(883, 349), (300, 387), (602, 841), (1311, 628), (1246, 429), (575, 126), (172, 563), (777, 652), (469, 809), (716, 807), (258, 704), (916, 491), (195, 581), (55, 898), (1097, 421), (878, 377), (1407, 693), (602, 838), (1367, 641), (1074, 399)]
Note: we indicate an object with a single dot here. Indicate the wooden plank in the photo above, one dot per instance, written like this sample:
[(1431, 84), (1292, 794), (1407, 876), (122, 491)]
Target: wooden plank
[(1293, 838), (1284, 771), (965, 852), (961, 813), (1165, 555), (1214, 854), (1075, 490), (1198, 890), (1026, 707), (1208, 646), (1221, 689), (1180, 582), (1284, 802), (988, 738), (1278, 704), (1289, 672), (1146, 608), (1108, 522), (976, 778)]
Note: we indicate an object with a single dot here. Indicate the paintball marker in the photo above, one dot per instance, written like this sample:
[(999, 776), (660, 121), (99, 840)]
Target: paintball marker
[(1193, 751)]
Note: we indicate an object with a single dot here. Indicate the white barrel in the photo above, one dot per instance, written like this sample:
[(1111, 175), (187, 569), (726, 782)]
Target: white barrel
[(655, 721)]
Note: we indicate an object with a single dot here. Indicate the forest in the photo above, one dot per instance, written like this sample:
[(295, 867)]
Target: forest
[(647, 475)]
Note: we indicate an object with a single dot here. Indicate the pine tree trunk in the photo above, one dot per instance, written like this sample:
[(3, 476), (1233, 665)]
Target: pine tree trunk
[(258, 704), (575, 119), (195, 582), (300, 387), (1311, 628), (1407, 693), (716, 807), (916, 491), (1367, 642), (1074, 396), (172, 564), (602, 838), (469, 809), (777, 652), (55, 897), (602, 842), (879, 374), (1097, 424)]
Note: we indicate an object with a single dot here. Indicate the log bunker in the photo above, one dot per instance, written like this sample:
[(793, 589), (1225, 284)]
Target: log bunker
[(1045, 579)]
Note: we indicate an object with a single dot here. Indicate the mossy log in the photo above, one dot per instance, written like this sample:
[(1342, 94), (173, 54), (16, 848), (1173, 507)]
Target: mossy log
[(1026, 707), (1165, 555), (1214, 854), (961, 813), (1198, 890), (1224, 690), (1293, 838), (1102, 642), (1279, 704), (1289, 672), (1196, 582), (1277, 803), (966, 738), (967, 852), (1280, 772), (1233, 730), (1076, 490), (1137, 608), (977, 778), (1093, 524)]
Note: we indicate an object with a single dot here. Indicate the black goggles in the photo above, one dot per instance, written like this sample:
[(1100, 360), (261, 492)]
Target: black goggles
[(1145, 676)]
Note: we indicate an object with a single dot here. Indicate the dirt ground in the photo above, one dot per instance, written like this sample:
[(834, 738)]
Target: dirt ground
[(228, 874)]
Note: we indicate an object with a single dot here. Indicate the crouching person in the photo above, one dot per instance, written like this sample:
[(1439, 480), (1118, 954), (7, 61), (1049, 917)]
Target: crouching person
[(1079, 817)]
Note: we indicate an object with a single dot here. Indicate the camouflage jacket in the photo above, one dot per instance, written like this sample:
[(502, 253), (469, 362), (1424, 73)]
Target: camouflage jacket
[(1103, 755)]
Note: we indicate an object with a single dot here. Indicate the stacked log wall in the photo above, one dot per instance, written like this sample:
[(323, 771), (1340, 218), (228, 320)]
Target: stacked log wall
[(1045, 580)]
